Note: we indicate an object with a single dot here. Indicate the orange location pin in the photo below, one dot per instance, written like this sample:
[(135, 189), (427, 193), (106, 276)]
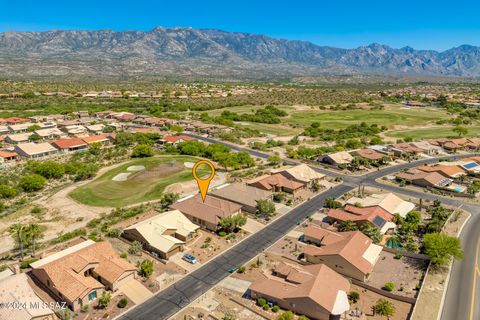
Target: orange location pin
[(203, 183)]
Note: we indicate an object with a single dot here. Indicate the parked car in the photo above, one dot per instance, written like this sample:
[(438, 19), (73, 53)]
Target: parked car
[(189, 258)]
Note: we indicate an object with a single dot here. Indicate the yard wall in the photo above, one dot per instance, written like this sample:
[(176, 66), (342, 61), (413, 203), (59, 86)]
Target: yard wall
[(384, 293), (407, 253)]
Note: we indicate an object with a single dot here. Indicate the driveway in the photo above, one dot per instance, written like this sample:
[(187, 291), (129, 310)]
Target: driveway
[(235, 284), (282, 209), (177, 259), (136, 291), (252, 226)]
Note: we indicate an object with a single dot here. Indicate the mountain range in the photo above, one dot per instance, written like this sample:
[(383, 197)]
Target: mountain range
[(208, 53)]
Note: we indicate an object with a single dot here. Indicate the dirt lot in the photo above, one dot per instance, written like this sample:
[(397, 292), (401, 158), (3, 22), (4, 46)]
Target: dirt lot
[(369, 298), (406, 273), (288, 246), (208, 244)]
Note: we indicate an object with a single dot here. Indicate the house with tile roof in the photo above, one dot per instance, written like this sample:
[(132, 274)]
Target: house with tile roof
[(17, 290), (369, 154), (209, 213), (301, 173), (315, 291), (32, 150), (278, 183), (338, 158), (351, 253), (242, 194), (387, 201), (429, 179), (70, 144), (375, 216), (404, 149), (176, 139), (78, 275), (6, 156), (165, 233), (101, 138), (449, 171), (427, 148)]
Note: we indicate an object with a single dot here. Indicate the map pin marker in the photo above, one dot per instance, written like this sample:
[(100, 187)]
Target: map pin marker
[(203, 183)]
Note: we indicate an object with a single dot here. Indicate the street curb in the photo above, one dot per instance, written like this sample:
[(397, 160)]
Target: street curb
[(439, 315), (229, 248)]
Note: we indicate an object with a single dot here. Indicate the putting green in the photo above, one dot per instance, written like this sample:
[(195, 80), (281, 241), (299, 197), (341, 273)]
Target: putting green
[(140, 186)]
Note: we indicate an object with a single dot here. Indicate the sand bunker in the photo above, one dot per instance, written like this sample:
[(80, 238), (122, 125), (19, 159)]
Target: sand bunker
[(135, 168), (189, 164), (121, 176)]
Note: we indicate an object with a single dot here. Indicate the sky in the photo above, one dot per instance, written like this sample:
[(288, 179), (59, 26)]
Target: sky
[(421, 24)]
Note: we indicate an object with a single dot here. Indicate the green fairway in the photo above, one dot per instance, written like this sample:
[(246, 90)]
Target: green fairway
[(273, 129), (388, 117), (432, 133), (140, 186)]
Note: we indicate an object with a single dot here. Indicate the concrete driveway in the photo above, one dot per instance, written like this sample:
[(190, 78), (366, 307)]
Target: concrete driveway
[(253, 226), (136, 291), (235, 284), (177, 259)]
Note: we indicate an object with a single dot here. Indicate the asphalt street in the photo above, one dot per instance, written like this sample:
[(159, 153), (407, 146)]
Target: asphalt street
[(171, 300), (462, 300)]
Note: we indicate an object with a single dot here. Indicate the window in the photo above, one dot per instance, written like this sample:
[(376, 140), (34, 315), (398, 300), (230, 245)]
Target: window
[(92, 295), (48, 283)]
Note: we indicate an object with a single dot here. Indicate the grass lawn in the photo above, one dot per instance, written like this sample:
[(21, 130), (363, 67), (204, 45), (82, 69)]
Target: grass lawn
[(432, 133), (273, 129), (389, 117), (146, 185)]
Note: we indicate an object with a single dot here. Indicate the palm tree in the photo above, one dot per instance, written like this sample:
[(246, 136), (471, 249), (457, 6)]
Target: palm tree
[(347, 225), (35, 232), (16, 232)]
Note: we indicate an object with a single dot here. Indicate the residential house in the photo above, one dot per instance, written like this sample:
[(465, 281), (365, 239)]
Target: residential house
[(102, 139), (176, 139), (429, 179), (278, 183), (369, 154), (50, 133), (301, 173), (446, 170), (375, 216), (16, 290), (19, 128), (70, 144), (387, 201), (17, 137), (338, 158), (15, 120), (75, 130), (209, 213), (315, 291), (165, 233), (242, 194), (427, 148), (4, 130), (95, 128), (32, 150), (404, 149), (6, 156), (472, 144), (351, 253), (78, 275)]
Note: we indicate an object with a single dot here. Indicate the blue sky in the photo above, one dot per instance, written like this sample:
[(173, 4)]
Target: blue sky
[(420, 24)]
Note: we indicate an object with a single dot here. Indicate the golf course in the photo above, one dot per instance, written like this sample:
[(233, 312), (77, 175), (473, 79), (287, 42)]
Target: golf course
[(135, 181)]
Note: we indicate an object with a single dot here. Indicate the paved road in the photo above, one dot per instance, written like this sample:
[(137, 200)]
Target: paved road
[(463, 293), (171, 300)]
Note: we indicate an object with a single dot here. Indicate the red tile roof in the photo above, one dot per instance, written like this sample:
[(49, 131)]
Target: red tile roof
[(355, 214), (278, 180), (369, 154), (173, 139), (7, 154), (350, 245), (69, 143), (96, 138)]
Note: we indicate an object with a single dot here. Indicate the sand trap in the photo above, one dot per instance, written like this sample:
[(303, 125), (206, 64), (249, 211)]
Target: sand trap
[(135, 168), (189, 164), (121, 176)]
